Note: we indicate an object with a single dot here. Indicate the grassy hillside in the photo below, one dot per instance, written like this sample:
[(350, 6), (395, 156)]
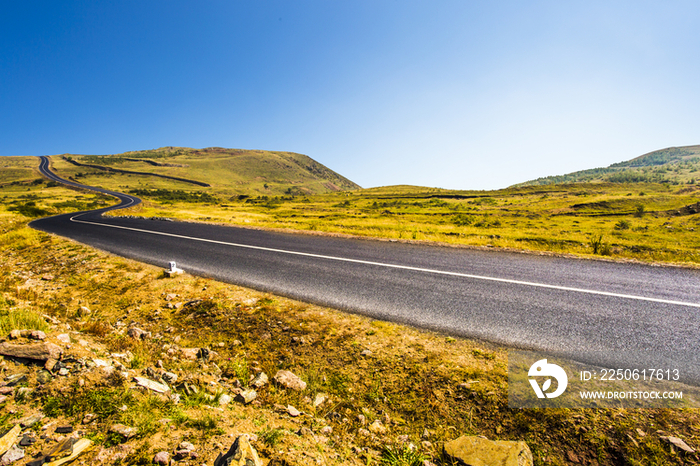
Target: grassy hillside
[(228, 171), (674, 165)]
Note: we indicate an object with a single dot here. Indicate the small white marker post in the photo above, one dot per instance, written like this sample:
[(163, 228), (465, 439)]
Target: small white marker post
[(173, 270)]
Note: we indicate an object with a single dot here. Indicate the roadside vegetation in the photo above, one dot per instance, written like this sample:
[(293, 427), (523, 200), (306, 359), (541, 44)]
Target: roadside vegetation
[(646, 222), (418, 389)]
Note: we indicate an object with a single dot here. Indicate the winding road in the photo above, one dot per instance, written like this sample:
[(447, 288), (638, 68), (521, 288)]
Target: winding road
[(593, 311)]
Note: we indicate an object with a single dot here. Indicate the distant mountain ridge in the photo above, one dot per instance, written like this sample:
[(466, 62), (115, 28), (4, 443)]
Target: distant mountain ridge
[(673, 165)]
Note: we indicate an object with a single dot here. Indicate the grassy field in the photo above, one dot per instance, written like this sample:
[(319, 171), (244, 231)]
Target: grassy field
[(642, 221), (425, 388), (626, 221)]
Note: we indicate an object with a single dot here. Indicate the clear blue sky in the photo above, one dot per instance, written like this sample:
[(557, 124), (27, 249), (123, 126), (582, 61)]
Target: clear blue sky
[(454, 94)]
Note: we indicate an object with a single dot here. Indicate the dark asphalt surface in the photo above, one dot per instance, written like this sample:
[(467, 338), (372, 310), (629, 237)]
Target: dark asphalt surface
[(593, 311)]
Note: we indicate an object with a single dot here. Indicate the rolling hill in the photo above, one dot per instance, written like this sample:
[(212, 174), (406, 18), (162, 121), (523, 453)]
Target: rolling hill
[(226, 171), (673, 165)]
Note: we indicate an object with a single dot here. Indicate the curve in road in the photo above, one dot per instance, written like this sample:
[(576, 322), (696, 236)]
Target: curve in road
[(598, 312)]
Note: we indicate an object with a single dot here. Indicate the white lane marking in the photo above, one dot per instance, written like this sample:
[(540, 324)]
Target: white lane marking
[(396, 266)]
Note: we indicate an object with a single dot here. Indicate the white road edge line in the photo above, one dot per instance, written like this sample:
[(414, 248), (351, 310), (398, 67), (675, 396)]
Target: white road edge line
[(396, 266)]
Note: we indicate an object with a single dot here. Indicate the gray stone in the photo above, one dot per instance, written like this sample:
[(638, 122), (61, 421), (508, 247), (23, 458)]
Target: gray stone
[(675, 441), (12, 455), (151, 385), (138, 334), (38, 335), (289, 380), (259, 381), (43, 376), (477, 451), (15, 379), (31, 420), (185, 446), (224, 399), (319, 399), (292, 411), (38, 351), (162, 457), (50, 364), (241, 453), (246, 396), (15, 334), (169, 377), (124, 431), (63, 338)]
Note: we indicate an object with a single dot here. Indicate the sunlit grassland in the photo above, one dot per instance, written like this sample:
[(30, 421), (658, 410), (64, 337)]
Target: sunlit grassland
[(230, 171), (634, 221), (625, 221)]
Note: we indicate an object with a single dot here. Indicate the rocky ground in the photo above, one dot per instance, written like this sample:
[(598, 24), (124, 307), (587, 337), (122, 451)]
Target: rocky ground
[(109, 361)]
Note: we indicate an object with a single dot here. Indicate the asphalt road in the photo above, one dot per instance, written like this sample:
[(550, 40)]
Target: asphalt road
[(593, 311)]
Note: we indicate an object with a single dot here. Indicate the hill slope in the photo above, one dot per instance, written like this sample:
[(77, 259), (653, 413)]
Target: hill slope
[(674, 165), (231, 171)]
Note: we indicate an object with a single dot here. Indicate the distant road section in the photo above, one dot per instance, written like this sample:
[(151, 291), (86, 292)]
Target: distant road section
[(593, 311), (129, 172)]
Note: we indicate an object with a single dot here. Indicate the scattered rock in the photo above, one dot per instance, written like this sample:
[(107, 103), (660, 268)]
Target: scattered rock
[(292, 411), (571, 456), (675, 441), (15, 334), (6, 390), (63, 371), (241, 453), (63, 338), (12, 455), (38, 352), (320, 399), (189, 353), (289, 380), (43, 376), (138, 334), (124, 431), (326, 430), (38, 335), (472, 450), (9, 439), (151, 385), (377, 427), (366, 353), (27, 441), (246, 396), (205, 355), (169, 377), (185, 450), (224, 399), (259, 381), (162, 457), (64, 429), (31, 420), (15, 379), (50, 364)]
